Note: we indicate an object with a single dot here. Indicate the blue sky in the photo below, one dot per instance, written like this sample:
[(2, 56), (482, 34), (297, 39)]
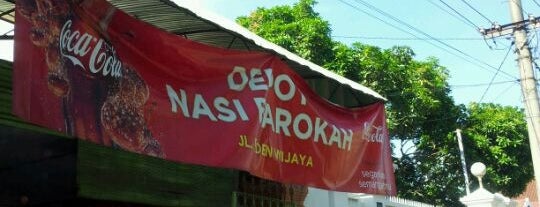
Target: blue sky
[(350, 24)]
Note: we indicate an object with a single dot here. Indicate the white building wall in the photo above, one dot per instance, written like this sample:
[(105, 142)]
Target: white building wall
[(323, 198)]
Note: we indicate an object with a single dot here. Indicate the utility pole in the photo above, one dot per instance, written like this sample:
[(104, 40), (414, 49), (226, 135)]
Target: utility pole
[(528, 82), (463, 163)]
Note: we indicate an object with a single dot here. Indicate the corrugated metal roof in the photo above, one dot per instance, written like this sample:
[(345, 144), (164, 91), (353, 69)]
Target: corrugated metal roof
[(202, 26), (7, 10)]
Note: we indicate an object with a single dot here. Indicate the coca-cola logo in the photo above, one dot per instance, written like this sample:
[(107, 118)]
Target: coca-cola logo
[(75, 45), (372, 133)]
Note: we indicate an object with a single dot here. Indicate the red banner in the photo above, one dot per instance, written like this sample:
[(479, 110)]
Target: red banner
[(89, 70)]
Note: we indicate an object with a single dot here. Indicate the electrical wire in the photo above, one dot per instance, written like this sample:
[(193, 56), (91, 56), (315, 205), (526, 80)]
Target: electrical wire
[(534, 49), (382, 20), (478, 12), (441, 119), (414, 35), (493, 78), (477, 27), (504, 91), (463, 19), (528, 115), (9, 31), (536, 38), (431, 37), (483, 84), (494, 43), (410, 33), (423, 33), (408, 38), (537, 4), (535, 66)]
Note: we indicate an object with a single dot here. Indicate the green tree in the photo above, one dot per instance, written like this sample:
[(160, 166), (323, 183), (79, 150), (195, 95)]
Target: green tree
[(421, 117), (297, 28), (501, 133), (421, 114)]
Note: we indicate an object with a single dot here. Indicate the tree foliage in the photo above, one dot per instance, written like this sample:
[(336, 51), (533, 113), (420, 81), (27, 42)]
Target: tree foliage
[(499, 132), (298, 29), (421, 117), (421, 114)]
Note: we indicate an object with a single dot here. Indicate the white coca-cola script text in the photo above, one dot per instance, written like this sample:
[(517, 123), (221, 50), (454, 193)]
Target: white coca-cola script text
[(75, 45)]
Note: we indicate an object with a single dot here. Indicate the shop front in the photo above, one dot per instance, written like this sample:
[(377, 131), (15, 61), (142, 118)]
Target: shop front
[(110, 108)]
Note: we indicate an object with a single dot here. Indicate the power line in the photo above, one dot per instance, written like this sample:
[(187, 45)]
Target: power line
[(431, 43), (495, 47), (382, 20), (537, 4), (503, 92), (429, 36), (535, 65), (478, 12), (463, 19), (537, 41), (493, 78), (408, 38), (408, 32), (483, 84), (9, 31), (534, 37)]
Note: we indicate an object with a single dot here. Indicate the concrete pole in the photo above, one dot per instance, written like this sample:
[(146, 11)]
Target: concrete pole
[(463, 163), (528, 88)]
